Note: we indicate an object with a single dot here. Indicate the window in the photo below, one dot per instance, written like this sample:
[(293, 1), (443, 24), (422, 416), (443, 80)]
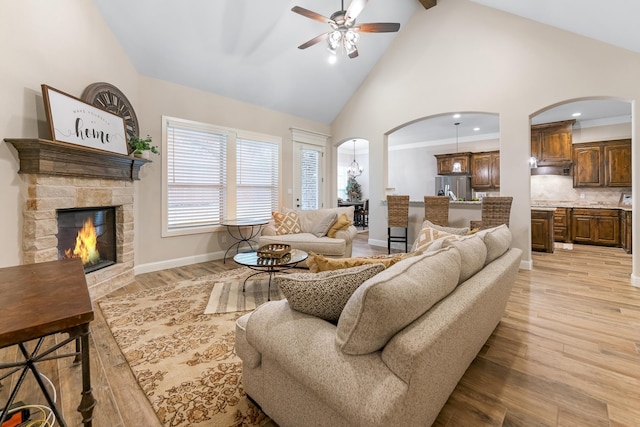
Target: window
[(212, 173)]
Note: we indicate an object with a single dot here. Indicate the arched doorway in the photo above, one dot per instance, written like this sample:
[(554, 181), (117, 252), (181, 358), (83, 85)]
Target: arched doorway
[(353, 166), (597, 175)]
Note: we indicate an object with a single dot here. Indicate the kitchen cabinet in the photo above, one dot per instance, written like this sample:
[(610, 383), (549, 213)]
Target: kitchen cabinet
[(542, 230), (561, 225), (551, 142), (446, 163), (625, 231), (602, 164), (617, 163), (485, 170), (595, 226)]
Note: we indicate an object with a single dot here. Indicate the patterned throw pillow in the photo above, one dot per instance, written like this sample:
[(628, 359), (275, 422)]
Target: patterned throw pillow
[(324, 294), (452, 230), (342, 223), (287, 223), (318, 263), (430, 239)]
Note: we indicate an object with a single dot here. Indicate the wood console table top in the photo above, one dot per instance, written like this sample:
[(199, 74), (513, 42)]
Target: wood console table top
[(42, 299)]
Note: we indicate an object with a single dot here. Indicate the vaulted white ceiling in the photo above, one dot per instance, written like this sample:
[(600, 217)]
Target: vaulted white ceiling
[(247, 50)]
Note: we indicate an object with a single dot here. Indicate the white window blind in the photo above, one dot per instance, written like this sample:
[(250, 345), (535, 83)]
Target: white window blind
[(196, 176), (310, 177), (257, 178), (212, 173)]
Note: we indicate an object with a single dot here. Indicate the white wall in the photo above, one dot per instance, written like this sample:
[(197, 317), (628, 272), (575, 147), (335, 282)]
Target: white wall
[(461, 56), (67, 45)]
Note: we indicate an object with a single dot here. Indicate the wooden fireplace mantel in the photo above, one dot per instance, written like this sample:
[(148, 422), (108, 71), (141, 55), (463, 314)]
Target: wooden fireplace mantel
[(41, 156)]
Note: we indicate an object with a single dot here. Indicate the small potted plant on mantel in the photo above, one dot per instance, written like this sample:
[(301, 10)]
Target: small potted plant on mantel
[(141, 147)]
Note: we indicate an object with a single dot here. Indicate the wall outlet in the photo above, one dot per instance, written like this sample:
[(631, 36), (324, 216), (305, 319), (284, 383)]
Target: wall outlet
[(582, 195)]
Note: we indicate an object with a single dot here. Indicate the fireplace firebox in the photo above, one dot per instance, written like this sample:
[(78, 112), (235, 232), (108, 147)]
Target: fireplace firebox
[(88, 233)]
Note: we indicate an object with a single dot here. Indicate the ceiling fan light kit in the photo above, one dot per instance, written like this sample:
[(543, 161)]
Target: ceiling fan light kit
[(344, 33)]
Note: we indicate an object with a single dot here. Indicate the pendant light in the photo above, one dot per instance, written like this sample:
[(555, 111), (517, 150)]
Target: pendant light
[(354, 168), (456, 167)]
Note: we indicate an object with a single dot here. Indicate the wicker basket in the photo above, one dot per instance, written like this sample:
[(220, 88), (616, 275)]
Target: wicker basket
[(274, 250)]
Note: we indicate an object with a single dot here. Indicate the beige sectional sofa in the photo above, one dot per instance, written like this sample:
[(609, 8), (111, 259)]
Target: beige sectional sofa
[(334, 247), (402, 342)]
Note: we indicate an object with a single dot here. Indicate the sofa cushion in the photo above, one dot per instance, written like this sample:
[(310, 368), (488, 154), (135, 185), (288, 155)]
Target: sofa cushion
[(394, 298), (317, 263), (287, 222), (309, 243), (322, 227), (324, 294), (473, 253), (309, 218), (342, 223), (497, 240)]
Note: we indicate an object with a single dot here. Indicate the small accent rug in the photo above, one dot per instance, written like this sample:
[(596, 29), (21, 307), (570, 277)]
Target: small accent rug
[(184, 360), (227, 295)]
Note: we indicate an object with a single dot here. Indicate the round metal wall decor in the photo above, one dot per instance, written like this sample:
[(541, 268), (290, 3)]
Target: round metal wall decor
[(110, 98)]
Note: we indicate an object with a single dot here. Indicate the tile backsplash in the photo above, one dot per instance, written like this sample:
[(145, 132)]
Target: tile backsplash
[(560, 188)]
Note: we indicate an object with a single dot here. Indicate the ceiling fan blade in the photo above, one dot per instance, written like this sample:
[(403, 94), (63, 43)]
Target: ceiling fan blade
[(310, 14), (354, 54), (354, 10), (378, 27), (314, 40)]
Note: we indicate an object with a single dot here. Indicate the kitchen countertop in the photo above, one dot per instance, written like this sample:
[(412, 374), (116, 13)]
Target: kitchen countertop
[(570, 204)]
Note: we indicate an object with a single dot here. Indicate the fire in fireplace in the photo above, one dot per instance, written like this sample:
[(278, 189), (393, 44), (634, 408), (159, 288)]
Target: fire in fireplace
[(88, 233)]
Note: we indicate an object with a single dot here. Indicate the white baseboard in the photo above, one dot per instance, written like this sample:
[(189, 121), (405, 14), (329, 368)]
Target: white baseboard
[(635, 281), (178, 262), (383, 243)]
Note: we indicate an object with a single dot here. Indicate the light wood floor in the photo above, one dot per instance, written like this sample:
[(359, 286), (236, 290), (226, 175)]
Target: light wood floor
[(567, 352)]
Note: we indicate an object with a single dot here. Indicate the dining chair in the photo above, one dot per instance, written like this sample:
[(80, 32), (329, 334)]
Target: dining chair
[(495, 211), (436, 210), (397, 217), (362, 214)]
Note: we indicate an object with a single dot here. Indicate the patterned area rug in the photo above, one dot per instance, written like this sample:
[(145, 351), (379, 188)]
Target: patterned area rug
[(183, 359), (227, 295)]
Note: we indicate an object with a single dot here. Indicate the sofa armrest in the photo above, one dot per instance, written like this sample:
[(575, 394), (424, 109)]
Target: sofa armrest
[(304, 346), (269, 229), (347, 234)]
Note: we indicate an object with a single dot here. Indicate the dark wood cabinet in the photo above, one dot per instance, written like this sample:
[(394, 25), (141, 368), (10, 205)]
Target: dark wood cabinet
[(485, 170), (595, 226), (625, 231), (617, 163), (602, 164), (447, 163), (542, 230), (587, 165), (561, 225), (551, 142)]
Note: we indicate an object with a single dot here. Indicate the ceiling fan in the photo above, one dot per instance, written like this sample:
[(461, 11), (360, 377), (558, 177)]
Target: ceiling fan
[(344, 31)]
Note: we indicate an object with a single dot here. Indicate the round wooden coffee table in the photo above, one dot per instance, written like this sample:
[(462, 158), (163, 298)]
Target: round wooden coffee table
[(270, 266)]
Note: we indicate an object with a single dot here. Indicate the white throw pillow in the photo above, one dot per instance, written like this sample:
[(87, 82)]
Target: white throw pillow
[(322, 227)]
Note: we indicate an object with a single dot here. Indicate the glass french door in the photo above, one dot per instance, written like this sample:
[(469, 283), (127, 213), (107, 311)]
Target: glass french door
[(309, 177)]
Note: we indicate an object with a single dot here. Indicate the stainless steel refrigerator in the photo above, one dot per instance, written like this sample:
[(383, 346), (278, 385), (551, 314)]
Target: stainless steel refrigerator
[(454, 186)]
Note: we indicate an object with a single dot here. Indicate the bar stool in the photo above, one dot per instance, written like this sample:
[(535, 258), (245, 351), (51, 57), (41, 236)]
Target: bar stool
[(495, 211), (436, 210), (398, 216)]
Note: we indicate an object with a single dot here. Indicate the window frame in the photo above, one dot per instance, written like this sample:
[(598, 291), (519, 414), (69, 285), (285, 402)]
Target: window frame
[(231, 178)]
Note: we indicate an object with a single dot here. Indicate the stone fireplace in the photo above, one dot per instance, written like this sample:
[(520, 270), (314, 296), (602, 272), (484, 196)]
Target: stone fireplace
[(58, 176)]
